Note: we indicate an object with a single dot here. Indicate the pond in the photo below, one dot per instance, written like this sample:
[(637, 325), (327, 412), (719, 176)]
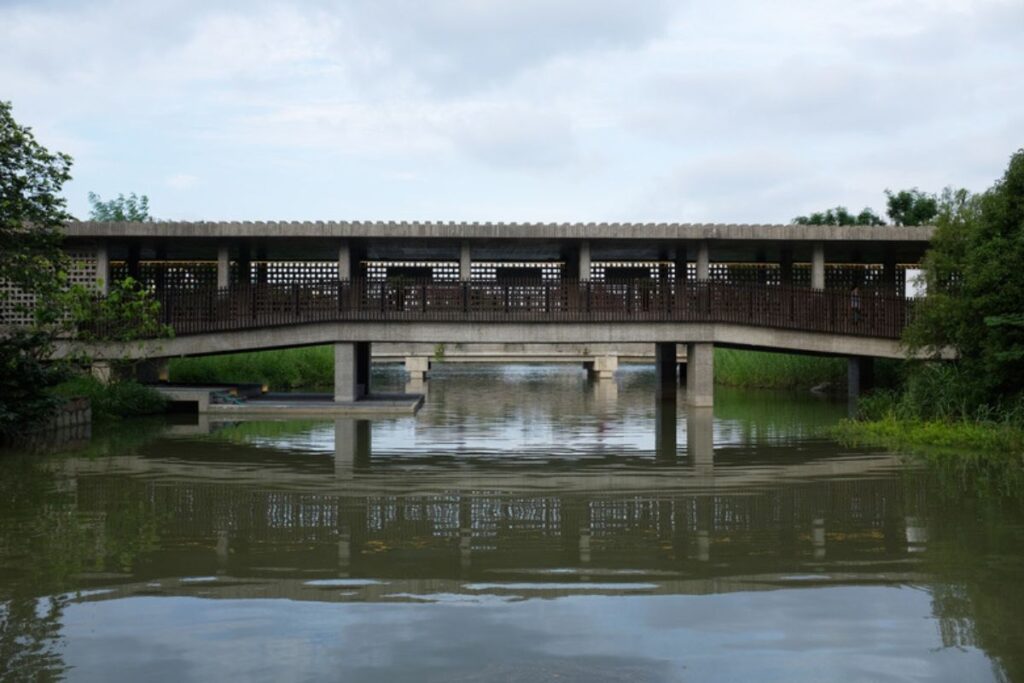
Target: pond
[(528, 524)]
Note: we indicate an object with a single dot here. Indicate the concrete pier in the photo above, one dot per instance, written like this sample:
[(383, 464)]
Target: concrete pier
[(351, 371), (700, 374)]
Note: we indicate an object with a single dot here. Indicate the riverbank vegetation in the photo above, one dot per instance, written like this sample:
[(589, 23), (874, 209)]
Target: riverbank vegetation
[(307, 367), (975, 307), (767, 370), (124, 398)]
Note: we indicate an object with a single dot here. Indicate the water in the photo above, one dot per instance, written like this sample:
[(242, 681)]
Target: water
[(526, 526)]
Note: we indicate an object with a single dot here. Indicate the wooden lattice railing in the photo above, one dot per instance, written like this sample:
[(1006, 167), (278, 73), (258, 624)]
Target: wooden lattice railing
[(868, 314)]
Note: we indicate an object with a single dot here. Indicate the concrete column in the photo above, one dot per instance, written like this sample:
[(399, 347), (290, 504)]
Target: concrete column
[(605, 366), (665, 367), (584, 261), (417, 367), (703, 261), (102, 370), (860, 375), (344, 261), (465, 268), (351, 371), (103, 269), (818, 266), (223, 266), (700, 374)]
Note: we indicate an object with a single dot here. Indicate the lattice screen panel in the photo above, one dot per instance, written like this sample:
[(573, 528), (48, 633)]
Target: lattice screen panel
[(16, 304), (170, 274), (492, 270), (447, 271), (745, 273)]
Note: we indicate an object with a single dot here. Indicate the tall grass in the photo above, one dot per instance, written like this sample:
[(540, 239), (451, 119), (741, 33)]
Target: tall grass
[(311, 366), (770, 370)]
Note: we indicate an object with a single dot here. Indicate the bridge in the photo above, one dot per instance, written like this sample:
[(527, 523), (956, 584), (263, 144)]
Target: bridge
[(228, 287)]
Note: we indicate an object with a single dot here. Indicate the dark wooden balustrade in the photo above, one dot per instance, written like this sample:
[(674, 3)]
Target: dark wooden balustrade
[(198, 311)]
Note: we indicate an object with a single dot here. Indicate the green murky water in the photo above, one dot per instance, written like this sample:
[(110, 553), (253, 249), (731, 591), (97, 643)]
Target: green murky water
[(526, 526)]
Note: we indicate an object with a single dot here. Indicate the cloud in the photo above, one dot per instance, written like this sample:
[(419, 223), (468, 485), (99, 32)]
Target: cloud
[(597, 109)]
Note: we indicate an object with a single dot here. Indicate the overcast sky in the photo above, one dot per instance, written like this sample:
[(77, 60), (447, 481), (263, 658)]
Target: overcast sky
[(712, 111)]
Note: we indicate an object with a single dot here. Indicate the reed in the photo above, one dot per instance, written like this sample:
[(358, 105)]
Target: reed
[(307, 367), (768, 370)]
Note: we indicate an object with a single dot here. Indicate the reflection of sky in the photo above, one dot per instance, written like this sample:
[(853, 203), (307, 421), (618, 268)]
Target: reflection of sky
[(830, 633), (553, 409)]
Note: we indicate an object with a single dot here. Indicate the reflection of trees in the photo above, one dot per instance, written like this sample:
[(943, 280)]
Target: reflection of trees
[(976, 536), (30, 639), (46, 542)]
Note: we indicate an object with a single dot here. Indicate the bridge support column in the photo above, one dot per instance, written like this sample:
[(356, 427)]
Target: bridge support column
[(700, 374), (417, 367), (103, 269), (700, 442), (351, 371), (860, 375), (665, 368), (465, 262), (818, 266), (223, 266), (605, 366)]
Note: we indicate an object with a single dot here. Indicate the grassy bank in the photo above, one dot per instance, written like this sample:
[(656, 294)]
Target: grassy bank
[(311, 366), (115, 400), (935, 438)]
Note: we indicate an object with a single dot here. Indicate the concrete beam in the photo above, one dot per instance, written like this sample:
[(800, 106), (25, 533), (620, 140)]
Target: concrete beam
[(724, 334), (700, 375), (818, 266)]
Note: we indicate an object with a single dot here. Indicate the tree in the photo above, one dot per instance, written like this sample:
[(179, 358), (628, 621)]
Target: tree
[(975, 299), (32, 212), (840, 216), (911, 207), (133, 208), (32, 216)]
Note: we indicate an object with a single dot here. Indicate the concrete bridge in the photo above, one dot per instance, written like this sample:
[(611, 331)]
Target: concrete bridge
[(228, 287)]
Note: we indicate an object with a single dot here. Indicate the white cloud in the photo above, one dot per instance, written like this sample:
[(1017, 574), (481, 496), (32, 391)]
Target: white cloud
[(736, 110)]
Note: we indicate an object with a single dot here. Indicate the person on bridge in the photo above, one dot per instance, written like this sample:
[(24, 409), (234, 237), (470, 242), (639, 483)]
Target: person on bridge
[(855, 303)]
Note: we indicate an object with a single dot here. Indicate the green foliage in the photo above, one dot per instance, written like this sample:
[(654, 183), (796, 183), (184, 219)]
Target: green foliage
[(25, 378), (133, 208), (128, 313), (32, 212), (911, 207), (975, 282), (840, 216), (115, 400), (286, 369), (936, 438), (762, 369)]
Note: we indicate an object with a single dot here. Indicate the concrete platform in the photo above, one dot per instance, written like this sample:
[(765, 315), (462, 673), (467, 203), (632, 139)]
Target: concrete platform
[(291, 405)]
